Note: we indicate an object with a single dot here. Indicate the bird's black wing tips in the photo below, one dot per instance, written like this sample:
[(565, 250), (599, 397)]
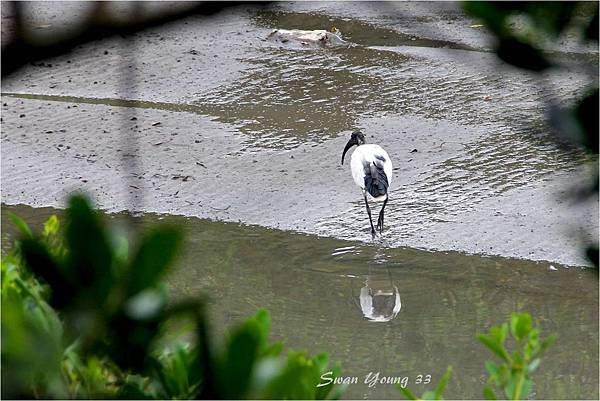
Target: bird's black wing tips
[(376, 181)]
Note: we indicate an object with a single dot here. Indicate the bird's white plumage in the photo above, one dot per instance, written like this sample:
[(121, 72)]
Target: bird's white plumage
[(367, 154)]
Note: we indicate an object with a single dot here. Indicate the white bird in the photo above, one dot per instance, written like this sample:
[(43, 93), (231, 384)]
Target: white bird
[(372, 171)]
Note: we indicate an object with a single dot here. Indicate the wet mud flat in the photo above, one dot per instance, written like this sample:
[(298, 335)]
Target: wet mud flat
[(242, 129), (313, 285)]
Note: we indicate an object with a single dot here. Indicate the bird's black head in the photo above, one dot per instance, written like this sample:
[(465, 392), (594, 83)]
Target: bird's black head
[(357, 138)]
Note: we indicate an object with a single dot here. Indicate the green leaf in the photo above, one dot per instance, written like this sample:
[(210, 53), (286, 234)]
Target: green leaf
[(429, 395), (493, 346), (51, 226), (521, 55), (263, 318), (297, 380), (546, 344), (38, 259), (492, 368), (409, 395), (517, 360), (173, 369), (439, 390), (504, 371), (321, 361), (510, 386), (21, 225), (591, 31), (205, 362), (499, 333), (273, 349), (525, 388), (587, 115), (135, 387), (240, 358), (520, 325), (155, 254), (504, 331), (488, 393), (90, 257), (534, 337), (336, 392), (120, 246), (550, 17)]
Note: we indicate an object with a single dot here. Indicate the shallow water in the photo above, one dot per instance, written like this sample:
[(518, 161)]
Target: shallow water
[(312, 286)]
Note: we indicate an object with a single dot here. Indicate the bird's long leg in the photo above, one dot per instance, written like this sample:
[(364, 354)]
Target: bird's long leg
[(369, 212), (380, 220)]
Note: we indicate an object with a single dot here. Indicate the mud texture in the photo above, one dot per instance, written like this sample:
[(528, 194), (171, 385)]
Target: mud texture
[(208, 118)]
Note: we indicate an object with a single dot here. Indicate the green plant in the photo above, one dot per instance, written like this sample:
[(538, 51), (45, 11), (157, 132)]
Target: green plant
[(94, 323), (111, 305), (436, 394), (513, 374), (31, 336)]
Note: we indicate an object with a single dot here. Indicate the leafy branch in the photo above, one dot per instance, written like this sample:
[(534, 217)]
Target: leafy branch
[(513, 374)]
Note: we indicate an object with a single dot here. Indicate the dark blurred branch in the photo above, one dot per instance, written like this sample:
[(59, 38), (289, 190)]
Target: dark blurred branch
[(22, 49), (17, 9)]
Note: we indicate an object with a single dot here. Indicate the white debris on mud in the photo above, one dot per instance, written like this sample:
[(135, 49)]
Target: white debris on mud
[(318, 37)]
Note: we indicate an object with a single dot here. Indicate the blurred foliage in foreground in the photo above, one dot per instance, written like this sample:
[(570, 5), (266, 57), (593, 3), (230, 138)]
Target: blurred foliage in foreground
[(523, 30), (82, 317), (512, 375)]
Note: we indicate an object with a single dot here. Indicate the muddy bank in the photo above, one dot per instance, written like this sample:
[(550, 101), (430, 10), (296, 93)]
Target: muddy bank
[(232, 127), (196, 167)]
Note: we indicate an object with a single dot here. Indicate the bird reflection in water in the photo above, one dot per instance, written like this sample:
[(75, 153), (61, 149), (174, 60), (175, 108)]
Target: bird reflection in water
[(379, 298)]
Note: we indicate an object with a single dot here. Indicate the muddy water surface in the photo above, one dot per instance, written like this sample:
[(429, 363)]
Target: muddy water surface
[(312, 286)]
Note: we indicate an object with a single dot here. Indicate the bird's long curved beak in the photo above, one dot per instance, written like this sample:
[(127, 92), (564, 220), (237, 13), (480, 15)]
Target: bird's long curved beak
[(348, 146)]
